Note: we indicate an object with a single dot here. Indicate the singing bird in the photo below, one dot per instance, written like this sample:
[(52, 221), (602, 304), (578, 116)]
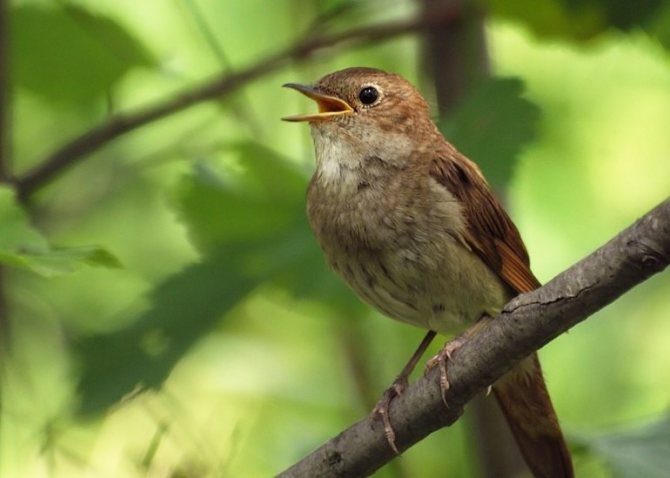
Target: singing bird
[(415, 230)]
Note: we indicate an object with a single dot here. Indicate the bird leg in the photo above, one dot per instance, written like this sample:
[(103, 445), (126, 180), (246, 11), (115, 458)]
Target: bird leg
[(440, 360), (443, 356), (397, 388)]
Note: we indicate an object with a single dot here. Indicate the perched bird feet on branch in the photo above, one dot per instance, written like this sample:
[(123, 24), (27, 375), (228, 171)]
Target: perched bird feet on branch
[(397, 388), (382, 408), (440, 360), (416, 231)]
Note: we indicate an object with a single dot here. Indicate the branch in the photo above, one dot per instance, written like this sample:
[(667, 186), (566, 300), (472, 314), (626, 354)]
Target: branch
[(121, 123), (527, 323), (456, 55)]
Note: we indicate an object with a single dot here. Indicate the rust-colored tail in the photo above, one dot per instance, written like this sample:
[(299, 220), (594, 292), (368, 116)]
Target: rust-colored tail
[(523, 397)]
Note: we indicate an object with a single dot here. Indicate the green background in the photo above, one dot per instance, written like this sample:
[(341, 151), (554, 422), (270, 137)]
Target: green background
[(168, 312)]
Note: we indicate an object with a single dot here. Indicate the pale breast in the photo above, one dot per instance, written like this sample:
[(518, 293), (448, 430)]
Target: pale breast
[(400, 255)]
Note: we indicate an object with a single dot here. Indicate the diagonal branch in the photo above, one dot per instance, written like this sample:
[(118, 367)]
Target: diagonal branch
[(76, 149), (527, 323)]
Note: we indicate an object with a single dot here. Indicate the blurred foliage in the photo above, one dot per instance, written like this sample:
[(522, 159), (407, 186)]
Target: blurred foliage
[(251, 229), (638, 451), (496, 111), (584, 19), (224, 346), (61, 40), (24, 247)]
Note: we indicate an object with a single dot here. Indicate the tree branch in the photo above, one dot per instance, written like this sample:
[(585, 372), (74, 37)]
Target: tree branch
[(456, 55), (121, 123), (527, 323)]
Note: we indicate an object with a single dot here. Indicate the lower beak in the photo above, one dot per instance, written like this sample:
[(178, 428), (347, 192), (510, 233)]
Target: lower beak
[(329, 106)]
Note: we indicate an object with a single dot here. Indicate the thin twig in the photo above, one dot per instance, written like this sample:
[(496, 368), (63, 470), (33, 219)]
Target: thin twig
[(240, 107), (119, 124), (527, 323)]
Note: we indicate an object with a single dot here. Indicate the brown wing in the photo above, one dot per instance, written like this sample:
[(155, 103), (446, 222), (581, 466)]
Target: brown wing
[(522, 393), (491, 233)]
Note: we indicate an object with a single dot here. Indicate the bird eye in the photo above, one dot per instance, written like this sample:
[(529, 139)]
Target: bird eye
[(368, 95)]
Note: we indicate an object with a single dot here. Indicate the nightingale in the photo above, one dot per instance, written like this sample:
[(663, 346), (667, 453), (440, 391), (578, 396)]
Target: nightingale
[(414, 229)]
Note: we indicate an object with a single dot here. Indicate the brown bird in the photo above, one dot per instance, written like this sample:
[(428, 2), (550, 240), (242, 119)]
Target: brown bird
[(414, 229)]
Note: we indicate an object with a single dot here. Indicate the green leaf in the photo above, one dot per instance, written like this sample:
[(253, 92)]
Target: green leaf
[(185, 307), (17, 233), (69, 55), (492, 126), (251, 227), (635, 452), (659, 26), (23, 247), (262, 200), (578, 19), (60, 261), (264, 194)]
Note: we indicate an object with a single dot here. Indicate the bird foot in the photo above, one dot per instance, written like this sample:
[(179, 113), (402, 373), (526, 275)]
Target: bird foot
[(440, 360), (382, 409)]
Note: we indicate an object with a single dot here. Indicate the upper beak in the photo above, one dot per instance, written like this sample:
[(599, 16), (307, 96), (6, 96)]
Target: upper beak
[(328, 105)]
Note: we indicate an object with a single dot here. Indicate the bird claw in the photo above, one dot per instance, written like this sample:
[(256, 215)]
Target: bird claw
[(382, 409), (440, 360)]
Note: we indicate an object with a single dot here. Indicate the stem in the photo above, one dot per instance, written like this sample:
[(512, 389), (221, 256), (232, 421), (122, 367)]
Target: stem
[(240, 107)]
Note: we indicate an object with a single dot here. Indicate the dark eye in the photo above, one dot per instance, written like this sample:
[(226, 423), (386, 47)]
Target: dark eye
[(368, 95)]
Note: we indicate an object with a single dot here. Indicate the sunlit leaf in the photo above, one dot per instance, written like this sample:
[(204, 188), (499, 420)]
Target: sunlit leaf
[(251, 227), (59, 261), (263, 199), (184, 308), (68, 54), (23, 247), (263, 195), (492, 126)]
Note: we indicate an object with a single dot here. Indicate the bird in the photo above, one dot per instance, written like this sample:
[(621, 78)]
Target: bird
[(413, 227)]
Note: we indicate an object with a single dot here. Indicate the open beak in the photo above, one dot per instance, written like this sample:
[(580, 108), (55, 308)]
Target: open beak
[(329, 106)]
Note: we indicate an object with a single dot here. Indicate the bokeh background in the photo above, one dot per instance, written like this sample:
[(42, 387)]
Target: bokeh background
[(165, 311)]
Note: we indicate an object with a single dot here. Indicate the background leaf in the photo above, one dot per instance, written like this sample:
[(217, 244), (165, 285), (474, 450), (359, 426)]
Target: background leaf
[(184, 308), (261, 198), (23, 247), (492, 126), (225, 305), (75, 55), (259, 194), (579, 19), (251, 228)]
